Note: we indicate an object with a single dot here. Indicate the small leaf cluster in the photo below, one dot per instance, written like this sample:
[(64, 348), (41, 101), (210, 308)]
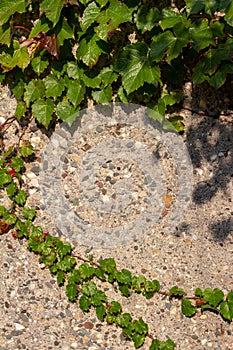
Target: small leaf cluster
[(59, 54)]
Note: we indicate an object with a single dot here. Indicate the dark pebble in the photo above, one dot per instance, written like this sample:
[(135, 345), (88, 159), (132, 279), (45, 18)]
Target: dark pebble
[(99, 129), (15, 333), (104, 165), (35, 169)]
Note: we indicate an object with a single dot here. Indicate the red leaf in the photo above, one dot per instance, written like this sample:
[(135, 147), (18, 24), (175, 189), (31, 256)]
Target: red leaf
[(50, 44)]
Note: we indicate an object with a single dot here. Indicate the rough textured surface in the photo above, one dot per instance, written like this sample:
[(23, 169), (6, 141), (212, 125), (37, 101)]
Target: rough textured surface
[(35, 313)]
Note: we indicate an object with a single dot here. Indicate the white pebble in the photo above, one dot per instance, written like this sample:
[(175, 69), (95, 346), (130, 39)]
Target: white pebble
[(74, 345), (213, 157), (19, 327)]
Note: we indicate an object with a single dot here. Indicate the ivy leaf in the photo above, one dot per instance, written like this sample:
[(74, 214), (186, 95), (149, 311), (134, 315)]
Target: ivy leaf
[(100, 274), (100, 311), (162, 345), (136, 67), (107, 76), (187, 308), (75, 92), (176, 292), (213, 297), (98, 298), (198, 292), (201, 34), (5, 35), (123, 320), (182, 37), (11, 189), (89, 289), (140, 326), (20, 197), (102, 96), (66, 264), (53, 85), (86, 271), (194, 6), (219, 78), (26, 149), (52, 9), (33, 91), (60, 277), (84, 303), (63, 32), (138, 340), (147, 18), (115, 308), (160, 45), (43, 111), (29, 213), (229, 14), (9, 7), (152, 286), (20, 58), (17, 164), (73, 71), (74, 276), (18, 89), (124, 289), (108, 265), (170, 18), (138, 283), (40, 26), (39, 64), (63, 248), (90, 49), (90, 14), (71, 291), (226, 310), (92, 82), (110, 19), (102, 3), (20, 109), (124, 276), (64, 110), (230, 297)]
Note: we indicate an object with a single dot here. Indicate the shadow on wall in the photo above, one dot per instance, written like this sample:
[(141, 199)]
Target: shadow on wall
[(211, 140)]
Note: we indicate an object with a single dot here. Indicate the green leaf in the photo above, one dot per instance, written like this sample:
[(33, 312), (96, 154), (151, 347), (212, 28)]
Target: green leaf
[(29, 213), (226, 310), (160, 45), (107, 76), (43, 111), (182, 37), (170, 18), (90, 14), (9, 7), (100, 311), (229, 14), (2, 210), (98, 298), (5, 177), (115, 308), (52, 9), (123, 320), (20, 109), (177, 122), (26, 149), (124, 276), (152, 286), (138, 283), (140, 326), (89, 289), (66, 264), (102, 96), (219, 78), (74, 276), (36, 232), (39, 64), (213, 297), (18, 89), (198, 292), (64, 32), (111, 18), (84, 303), (176, 292), (60, 277), (230, 296), (162, 345), (64, 110), (76, 91), (147, 18), (11, 189), (124, 289), (86, 271), (92, 82), (33, 91), (53, 85), (100, 274), (102, 3), (194, 6), (187, 308), (9, 218), (136, 67), (108, 265), (89, 50), (63, 248), (40, 26), (20, 58), (5, 35), (138, 340), (17, 164), (20, 197), (201, 34), (71, 291), (74, 71)]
